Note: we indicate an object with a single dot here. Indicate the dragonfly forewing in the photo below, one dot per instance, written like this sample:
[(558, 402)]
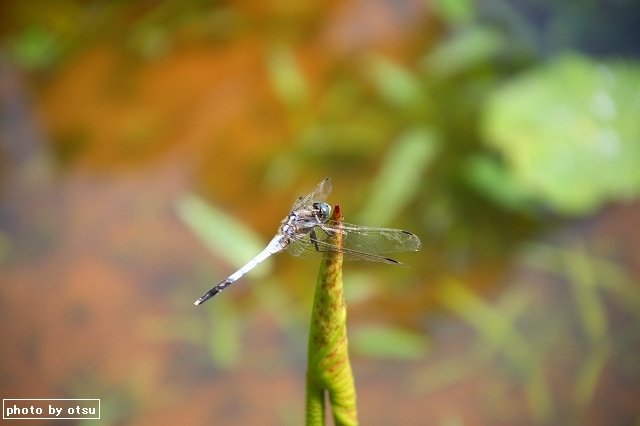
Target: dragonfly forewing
[(321, 193), (374, 240), (318, 249)]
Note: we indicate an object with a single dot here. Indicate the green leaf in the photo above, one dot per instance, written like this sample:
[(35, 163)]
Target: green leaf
[(223, 234), (454, 11), (395, 83), (36, 48), (486, 175), (464, 50), (286, 77), (569, 132), (398, 181), (590, 373)]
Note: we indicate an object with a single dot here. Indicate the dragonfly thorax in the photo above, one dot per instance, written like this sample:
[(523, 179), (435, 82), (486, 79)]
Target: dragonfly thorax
[(302, 221)]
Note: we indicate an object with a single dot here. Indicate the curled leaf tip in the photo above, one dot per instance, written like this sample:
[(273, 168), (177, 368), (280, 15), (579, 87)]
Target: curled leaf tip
[(337, 213)]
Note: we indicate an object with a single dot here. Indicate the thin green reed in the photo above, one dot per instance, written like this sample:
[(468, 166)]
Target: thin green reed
[(329, 369)]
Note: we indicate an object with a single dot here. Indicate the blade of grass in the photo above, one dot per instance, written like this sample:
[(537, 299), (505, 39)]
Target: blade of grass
[(398, 181), (500, 332), (222, 233), (610, 277), (590, 373), (590, 307), (497, 329)]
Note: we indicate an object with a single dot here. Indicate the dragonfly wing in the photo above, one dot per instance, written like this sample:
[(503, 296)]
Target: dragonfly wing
[(303, 247), (319, 247), (374, 240), (319, 194)]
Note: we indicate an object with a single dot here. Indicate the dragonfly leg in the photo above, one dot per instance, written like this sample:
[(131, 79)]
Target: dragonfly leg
[(314, 239)]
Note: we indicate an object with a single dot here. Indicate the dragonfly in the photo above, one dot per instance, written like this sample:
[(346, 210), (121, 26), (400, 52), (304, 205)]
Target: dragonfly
[(308, 231)]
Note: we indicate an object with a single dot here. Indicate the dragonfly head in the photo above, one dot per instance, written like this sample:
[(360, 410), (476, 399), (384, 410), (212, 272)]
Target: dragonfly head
[(323, 209)]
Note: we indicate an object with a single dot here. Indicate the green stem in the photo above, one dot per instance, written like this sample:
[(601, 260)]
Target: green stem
[(315, 404), (329, 368)]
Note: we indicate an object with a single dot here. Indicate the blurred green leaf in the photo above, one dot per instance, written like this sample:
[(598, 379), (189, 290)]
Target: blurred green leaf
[(514, 301), (492, 324), (558, 124), (538, 395), (486, 175), (397, 85), (36, 48), (150, 41), (590, 306), (499, 330), (348, 140), (611, 277), (454, 12), (282, 171), (389, 343), (398, 181), (223, 234), (590, 372), (616, 281), (286, 77), (464, 50)]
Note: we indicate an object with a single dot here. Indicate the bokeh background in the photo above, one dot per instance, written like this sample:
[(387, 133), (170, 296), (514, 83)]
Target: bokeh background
[(150, 148)]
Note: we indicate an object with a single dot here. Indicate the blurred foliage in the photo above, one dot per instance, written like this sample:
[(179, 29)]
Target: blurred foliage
[(398, 180), (287, 79), (225, 326), (388, 343), (36, 48), (39, 35), (442, 92), (223, 234), (498, 328), (556, 125), (594, 274), (526, 327), (464, 50)]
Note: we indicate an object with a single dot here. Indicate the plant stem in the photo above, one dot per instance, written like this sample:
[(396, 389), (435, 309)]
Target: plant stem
[(329, 368)]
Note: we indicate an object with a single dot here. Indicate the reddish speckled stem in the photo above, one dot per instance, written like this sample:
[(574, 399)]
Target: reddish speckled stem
[(329, 367)]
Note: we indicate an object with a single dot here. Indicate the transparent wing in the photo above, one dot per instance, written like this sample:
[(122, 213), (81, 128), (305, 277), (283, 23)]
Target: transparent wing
[(359, 242), (374, 240), (319, 194), (319, 248)]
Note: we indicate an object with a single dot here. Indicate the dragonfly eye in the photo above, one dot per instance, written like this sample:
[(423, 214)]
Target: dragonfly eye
[(324, 209)]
